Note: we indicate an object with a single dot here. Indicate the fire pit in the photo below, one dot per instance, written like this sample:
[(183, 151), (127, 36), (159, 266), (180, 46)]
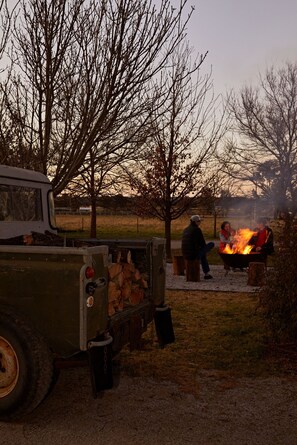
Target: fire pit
[(240, 260), (239, 253)]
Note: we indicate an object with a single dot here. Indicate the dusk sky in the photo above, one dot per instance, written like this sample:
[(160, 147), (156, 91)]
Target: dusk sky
[(243, 37)]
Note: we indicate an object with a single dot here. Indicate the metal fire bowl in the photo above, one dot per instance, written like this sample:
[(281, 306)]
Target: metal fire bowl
[(239, 260)]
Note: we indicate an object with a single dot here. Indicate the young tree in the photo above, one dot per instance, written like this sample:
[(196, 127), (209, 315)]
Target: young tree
[(99, 175), (180, 146), (80, 71), (265, 119)]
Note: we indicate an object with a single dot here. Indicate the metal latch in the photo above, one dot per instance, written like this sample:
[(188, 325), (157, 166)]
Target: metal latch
[(100, 343), (100, 282)]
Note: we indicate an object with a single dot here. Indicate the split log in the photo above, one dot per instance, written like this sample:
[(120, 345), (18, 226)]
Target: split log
[(111, 309), (143, 283), (121, 256), (192, 270), (114, 270), (256, 274), (128, 270), (126, 289), (115, 299), (137, 275), (137, 294), (119, 303), (178, 265), (113, 291)]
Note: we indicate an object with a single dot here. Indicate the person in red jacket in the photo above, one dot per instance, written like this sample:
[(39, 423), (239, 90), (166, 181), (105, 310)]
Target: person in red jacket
[(226, 234), (263, 240)]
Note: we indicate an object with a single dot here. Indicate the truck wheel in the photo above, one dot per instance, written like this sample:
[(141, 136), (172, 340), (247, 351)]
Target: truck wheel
[(26, 366)]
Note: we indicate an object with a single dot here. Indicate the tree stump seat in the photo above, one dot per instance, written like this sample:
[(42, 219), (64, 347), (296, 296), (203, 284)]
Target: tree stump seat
[(192, 270), (256, 274), (178, 265)]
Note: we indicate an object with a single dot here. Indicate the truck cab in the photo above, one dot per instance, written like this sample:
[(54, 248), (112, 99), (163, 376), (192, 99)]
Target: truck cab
[(26, 202)]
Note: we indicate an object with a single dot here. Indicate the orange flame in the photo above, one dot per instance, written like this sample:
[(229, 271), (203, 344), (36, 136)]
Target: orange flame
[(240, 242)]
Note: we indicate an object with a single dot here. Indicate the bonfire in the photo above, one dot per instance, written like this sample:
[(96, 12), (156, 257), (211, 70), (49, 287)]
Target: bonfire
[(240, 243)]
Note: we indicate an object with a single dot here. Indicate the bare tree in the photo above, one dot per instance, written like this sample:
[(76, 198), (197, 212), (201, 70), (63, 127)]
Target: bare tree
[(181, 144), (265, 152), (99, 175), (101, 172), (6, 17), (7, 127), (81, 69)]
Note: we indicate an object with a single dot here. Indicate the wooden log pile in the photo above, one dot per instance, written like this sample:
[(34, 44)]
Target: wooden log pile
[(44, 239), (126, 285)]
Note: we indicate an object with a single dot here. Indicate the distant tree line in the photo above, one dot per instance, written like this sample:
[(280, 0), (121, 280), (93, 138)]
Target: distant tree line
[(223, 207)]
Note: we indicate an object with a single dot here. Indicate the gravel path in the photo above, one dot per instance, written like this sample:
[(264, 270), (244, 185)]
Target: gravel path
[(147, 412), (232, 282)]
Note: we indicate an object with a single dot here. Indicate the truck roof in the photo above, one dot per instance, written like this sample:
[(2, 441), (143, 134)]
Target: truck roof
[(21, 173)]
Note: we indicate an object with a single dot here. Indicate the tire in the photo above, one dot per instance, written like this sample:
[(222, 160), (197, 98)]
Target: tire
[(26, 366)]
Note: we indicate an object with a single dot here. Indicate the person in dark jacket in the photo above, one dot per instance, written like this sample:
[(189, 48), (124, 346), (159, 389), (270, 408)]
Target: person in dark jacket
[(194, 245)]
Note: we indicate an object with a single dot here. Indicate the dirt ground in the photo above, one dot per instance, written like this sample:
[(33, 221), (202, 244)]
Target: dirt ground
[(148, 412)]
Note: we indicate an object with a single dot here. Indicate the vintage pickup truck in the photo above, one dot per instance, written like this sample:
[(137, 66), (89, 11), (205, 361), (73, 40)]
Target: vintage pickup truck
[(56, 298)]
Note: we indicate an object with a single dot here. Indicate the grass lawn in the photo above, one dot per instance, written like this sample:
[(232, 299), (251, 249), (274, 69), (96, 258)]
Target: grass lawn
[(131, 226), (216, 332)]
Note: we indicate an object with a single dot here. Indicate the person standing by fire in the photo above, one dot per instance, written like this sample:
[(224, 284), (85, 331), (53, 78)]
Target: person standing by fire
[(263, 239), (194, 245)]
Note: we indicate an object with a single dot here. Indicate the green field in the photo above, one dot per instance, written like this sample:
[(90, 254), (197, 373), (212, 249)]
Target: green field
[(131, 226)]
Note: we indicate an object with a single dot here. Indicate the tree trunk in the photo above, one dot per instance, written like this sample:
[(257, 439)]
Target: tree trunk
[(215, 224), (168, 238), (93, 231)]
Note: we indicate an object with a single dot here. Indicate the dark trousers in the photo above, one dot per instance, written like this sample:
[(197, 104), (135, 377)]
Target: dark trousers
[(202, 256)]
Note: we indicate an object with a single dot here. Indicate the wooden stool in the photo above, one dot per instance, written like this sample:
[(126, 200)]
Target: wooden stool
[(178, 265), (256, 274), (192, 270)]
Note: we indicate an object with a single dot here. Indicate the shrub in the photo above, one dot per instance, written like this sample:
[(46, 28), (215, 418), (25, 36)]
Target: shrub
[(278, 299)]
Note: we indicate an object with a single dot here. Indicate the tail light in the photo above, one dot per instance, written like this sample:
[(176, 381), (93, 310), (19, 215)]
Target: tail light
[(89, 273)]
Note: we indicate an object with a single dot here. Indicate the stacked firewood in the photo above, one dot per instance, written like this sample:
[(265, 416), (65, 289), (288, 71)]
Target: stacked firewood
[(126, 285)]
